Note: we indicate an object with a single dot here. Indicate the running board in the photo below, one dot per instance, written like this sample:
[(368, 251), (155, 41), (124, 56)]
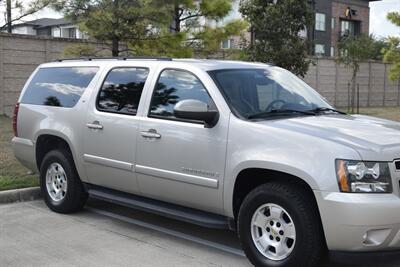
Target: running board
[(165, 209)]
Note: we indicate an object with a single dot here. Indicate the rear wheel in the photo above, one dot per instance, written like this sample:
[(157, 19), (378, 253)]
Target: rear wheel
[(278, 225), (60, 184)]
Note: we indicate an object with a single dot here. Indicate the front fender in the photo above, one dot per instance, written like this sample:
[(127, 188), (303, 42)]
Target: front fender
[(271, 146), (259, 164)]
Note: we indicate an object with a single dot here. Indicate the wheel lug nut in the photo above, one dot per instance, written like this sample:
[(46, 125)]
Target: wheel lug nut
[(268, 229), (281, 232), (278, 224), (271, 223), (271, 237), (278, 239)]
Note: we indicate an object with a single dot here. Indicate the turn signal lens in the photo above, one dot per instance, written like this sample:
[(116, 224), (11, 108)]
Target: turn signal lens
[(341, 173)]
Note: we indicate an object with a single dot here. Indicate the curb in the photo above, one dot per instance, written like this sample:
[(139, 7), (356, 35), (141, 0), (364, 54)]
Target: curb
[(20, 195)]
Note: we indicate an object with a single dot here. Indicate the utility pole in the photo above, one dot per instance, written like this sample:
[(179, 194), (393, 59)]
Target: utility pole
[(8, 16)]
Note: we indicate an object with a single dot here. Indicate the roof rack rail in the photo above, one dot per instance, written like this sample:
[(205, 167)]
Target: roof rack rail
[(115, 58)]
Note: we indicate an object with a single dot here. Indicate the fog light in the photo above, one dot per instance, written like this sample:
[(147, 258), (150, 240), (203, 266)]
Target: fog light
[(376, 237)]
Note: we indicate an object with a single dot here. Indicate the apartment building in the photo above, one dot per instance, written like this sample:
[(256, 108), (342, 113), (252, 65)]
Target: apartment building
[(334, 20)]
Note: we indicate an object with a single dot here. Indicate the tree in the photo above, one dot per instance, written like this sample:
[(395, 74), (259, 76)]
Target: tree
[(381, 45), (115, 21), (352, 51), (276, 26), (16, 11), (392, 53), (194, 27)]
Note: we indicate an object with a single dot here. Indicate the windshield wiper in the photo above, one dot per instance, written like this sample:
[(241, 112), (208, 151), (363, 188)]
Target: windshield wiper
[(323, 109), (277, 112)]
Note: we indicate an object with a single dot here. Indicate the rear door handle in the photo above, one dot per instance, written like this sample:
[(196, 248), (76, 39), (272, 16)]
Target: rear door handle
[(95, 125), (152, 133)]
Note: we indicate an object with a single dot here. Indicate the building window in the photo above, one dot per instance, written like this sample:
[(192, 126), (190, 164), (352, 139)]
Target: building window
[(227, 44), (332, 51), (333, 22), (320, 20), (350, 28), (345, 28), (319, 50), (56, 32), (72, 33)]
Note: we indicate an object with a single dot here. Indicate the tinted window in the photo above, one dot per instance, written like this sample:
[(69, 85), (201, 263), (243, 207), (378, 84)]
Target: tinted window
[(251, 91), (121, 90), (61, 87), (174, 86)]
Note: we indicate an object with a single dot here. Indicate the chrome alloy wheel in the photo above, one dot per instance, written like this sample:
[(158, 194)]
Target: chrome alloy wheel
[(273, 232), (56, 182)]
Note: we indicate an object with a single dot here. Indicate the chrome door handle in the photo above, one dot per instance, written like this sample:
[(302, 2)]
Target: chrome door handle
[(95, 125), (152, 133)]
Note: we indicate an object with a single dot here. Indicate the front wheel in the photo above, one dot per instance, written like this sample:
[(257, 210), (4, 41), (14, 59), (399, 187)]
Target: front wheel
[(279, 226), (60, 184)]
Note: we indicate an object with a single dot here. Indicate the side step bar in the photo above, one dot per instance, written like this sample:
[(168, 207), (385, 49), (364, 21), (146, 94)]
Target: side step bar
[(165, 209)]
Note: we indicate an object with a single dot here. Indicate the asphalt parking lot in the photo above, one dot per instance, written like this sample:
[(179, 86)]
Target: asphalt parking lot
[(109, 235)]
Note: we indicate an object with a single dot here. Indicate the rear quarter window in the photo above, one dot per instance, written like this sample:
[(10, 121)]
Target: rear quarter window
[(59, 86)]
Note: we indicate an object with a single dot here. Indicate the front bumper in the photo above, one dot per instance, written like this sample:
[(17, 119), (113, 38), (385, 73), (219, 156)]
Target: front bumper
[(360, 222)]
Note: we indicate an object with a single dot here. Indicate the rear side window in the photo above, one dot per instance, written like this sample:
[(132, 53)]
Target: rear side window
[(121, 90), (60, 86)]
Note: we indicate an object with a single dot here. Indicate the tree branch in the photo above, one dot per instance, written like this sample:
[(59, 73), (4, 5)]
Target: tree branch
[(198, 14), (27, 13)]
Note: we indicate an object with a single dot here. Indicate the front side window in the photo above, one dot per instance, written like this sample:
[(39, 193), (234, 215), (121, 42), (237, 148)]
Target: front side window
[(121, 90), (172, 87), (271, 90), (320, 19), (60, 87)]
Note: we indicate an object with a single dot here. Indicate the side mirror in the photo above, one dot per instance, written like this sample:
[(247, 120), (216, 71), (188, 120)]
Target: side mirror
[(191, 109)]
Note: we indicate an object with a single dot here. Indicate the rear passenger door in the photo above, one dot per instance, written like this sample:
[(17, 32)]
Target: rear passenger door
[(111, 129)]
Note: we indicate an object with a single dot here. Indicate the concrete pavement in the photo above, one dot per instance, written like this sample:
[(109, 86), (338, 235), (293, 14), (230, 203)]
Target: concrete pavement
[(32, 235)]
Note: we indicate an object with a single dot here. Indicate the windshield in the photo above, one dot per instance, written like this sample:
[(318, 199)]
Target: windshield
[(250, 92)]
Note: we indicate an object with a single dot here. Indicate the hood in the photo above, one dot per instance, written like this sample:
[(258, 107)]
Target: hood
[(373, 138)]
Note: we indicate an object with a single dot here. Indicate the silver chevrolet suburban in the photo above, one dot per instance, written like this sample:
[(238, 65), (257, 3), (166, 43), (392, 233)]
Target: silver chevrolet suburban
[(222, 144)]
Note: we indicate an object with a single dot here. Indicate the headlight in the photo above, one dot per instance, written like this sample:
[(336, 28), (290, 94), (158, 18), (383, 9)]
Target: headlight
[(363, 176)]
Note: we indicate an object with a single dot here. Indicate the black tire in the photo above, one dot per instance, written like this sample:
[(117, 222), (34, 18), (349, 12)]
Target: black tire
[(75, 196), (309, 245)]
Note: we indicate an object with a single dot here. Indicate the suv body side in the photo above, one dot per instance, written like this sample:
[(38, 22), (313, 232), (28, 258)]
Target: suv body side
[(244, 151), (216, 169)]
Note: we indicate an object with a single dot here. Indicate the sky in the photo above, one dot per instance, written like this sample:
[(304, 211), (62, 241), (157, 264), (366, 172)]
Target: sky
[(379, 25)]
